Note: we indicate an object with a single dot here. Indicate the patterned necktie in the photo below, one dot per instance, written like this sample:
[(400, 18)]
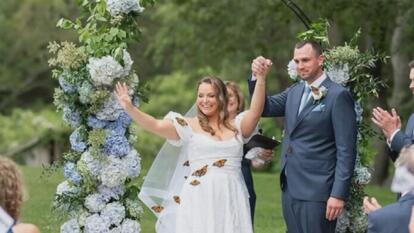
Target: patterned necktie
[(305, 97)]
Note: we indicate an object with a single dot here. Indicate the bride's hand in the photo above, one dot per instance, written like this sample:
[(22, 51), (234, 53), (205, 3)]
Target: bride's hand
[(121, 93)]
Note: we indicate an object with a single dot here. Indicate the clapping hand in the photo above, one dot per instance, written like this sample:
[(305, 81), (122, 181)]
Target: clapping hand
[(387, 122), (121, 93), (370, 204), (260, 67)]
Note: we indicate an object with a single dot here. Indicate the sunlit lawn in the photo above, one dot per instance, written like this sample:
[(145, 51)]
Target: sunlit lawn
[(268, 217)]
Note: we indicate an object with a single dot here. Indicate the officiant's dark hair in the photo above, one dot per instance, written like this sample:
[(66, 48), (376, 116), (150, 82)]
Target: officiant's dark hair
[(222, 100), (11, 187), (315, 46)]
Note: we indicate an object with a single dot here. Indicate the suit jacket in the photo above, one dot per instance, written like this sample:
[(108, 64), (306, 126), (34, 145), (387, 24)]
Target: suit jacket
[(319, 144), (402, 139), (393, 218)]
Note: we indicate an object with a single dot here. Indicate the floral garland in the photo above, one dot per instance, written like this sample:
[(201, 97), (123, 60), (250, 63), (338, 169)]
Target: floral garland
[(349, 67), (99, 194)]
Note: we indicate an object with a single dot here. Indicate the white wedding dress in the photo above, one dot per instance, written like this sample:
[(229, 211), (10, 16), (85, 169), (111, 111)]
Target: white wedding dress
[(214, 197)]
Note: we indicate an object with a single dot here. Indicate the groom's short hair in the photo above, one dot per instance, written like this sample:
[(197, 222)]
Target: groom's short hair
[(411, 64), (315, 46)]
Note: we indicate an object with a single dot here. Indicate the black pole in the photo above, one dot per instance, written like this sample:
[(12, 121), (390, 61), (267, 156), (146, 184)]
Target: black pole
[(299, 13)]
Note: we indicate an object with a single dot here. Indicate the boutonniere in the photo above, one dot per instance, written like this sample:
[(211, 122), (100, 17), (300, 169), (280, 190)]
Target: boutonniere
[(318, 93)]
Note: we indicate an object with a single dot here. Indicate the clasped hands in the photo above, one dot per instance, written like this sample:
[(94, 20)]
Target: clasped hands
[(260, 67)]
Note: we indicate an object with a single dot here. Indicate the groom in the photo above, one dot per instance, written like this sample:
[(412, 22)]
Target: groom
[(319, 144)]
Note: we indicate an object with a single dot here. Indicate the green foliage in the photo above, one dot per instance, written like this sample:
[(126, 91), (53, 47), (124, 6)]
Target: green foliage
[(24, 126)]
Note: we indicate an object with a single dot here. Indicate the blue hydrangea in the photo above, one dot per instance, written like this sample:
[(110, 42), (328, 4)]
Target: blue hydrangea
[(71, 173), (95, 203), (95, 123), (113, 213), (130, 226), (116, 230), (76, 141), (108, 193), (116, 145), (133, 163), (114, 173), (124, 119), (72, 118), (96, 224), (115, 128), (110, 109), (70, 226), (64, 84)]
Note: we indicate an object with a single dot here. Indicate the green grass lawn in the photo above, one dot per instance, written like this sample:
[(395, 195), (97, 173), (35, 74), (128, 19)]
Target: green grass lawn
[(268, 219)]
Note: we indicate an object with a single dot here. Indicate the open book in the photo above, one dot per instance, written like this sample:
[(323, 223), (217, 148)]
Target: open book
[(6, 222)]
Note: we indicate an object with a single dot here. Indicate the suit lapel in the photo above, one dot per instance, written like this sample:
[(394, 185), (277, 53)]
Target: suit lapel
[(309, 105), (296, 98)]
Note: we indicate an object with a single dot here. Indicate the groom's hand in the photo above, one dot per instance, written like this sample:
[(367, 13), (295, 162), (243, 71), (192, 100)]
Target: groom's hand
[(334, 208), (261, 66)]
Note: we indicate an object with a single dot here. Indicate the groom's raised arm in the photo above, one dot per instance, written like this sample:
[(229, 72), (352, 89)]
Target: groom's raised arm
[(274, 106), (345, 132)]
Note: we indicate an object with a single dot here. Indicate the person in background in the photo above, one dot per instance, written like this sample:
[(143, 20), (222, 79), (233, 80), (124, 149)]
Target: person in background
[(394, 218), (11, 195)]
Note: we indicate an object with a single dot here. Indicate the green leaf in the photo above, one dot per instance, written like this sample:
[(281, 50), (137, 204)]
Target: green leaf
[(65, 24)]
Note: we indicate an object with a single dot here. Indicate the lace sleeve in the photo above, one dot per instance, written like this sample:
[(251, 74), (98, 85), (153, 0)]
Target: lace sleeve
[(181, 126)]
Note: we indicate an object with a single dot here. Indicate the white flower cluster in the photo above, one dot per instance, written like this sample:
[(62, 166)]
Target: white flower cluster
[(292, 71), (70, 226), (92, 165), (339, 73), (106, 69), (118, 7), (113, 213), (114, 173), (95, 203), (96, 224), (130, 226), (66, 188), (133, 163)]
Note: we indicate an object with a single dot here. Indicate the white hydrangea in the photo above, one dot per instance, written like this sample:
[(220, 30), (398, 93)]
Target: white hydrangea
[(117, 7), (362, 174), (70, 226), (343, 222), (115, 230), (82, 216), (114, 173), (104, 70), (110, 110), (127, 63), (134, 208), (66, 188), (339, 73), (130, 226), (95, 203), (92, 165), (292, 71), (132, 162), (113, 213), (96, 224)]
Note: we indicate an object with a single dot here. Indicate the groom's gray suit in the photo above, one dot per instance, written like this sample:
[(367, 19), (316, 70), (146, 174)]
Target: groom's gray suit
[(318, 153)]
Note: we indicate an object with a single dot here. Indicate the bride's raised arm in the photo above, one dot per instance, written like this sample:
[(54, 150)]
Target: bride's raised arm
[(260, 68), (162, 128)]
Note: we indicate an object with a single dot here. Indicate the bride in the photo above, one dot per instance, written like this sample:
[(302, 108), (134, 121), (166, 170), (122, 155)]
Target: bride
[(214, 198)]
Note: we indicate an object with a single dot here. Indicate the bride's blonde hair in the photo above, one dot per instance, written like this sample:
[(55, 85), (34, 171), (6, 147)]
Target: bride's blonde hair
[(222, 100), (11, 187)]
